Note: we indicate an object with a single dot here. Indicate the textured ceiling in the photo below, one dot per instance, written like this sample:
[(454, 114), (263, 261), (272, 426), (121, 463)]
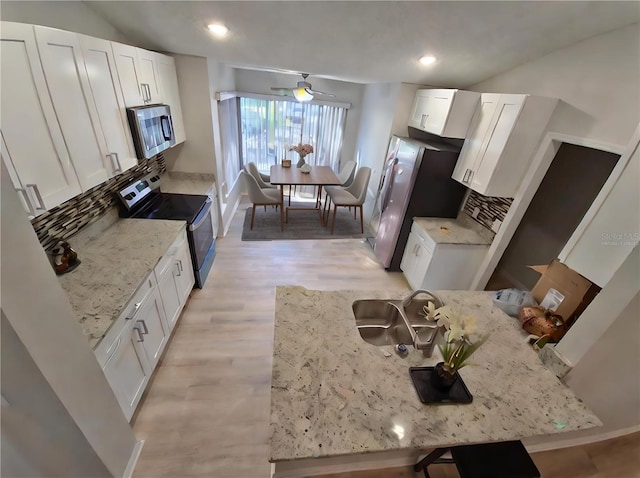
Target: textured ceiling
[(367, 42)]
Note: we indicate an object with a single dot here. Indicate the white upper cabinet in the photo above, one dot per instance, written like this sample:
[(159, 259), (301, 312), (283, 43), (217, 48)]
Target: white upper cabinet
[(444, 113), (128, 70), (170, 93), (503, 135), (109, 101), (149, 75), (138, 75), (34, 150), (64, 69)]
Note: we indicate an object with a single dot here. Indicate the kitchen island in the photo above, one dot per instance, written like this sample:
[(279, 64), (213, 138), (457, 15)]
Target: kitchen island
[(340, 403)]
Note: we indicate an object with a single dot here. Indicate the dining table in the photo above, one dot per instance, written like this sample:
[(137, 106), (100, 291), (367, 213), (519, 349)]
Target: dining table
[(291, 176)]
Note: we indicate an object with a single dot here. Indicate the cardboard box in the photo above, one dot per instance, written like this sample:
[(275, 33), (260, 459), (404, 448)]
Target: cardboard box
[(563, 290)]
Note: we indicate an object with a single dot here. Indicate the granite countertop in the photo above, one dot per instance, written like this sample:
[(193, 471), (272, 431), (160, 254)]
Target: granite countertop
[(113, 265), (334, 394), (187, 183), (462, 230)]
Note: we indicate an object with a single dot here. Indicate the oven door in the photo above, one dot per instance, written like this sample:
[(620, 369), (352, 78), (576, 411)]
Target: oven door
[(152, 129), (202, 243)]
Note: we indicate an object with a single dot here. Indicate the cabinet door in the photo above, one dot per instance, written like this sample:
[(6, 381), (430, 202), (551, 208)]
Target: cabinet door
[(30, 129), (126, 58), (477, 139), (415, 260), (504, 119), (169, 291), (185, 277), (418, 112), (109, 101), (64, 69), (127, 369), (437, 110), (170, 93), (149, 75), (151, 322)]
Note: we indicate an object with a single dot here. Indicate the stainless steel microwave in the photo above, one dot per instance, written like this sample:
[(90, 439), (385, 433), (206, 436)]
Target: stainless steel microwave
[(152, 129)]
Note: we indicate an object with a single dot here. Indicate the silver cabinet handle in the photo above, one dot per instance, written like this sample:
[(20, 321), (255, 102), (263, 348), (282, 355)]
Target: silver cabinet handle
[(135, 311), (144, 92), (32, 211), (115, 162), (180, 262), (471, 173), (423, 120), (178, 269), (38, 196), (144, 326), (140, 337)]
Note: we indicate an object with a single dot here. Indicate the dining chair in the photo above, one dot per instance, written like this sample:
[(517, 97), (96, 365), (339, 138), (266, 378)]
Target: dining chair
[(262, 179), (262, 197), (351, 196), (345, 176)]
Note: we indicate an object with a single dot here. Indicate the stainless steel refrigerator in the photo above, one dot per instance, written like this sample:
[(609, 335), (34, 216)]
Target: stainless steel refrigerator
[(415, 182)]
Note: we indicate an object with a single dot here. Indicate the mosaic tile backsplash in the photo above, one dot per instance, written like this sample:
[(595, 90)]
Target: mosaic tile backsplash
[(491, 208), (78, 212)]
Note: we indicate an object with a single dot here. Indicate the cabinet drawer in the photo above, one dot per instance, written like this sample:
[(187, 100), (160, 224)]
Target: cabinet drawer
[(423, 238), (167, 260), (106, 347)]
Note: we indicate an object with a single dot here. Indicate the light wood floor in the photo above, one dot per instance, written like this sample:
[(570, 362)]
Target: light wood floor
[(206, 412)]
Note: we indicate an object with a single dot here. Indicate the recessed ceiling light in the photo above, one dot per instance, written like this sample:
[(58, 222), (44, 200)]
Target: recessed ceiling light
[(218, 29), (427, 60)]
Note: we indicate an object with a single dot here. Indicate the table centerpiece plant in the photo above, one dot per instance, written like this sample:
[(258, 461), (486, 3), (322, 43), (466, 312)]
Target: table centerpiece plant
[(461, 341), (303, 150)]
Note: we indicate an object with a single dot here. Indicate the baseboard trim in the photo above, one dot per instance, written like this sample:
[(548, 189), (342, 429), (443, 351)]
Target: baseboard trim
[(133, 459)]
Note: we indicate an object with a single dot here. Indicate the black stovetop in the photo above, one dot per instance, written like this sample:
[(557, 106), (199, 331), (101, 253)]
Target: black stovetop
[(177, 207)]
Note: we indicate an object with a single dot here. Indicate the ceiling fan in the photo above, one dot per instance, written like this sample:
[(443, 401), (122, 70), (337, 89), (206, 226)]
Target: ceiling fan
[(302, 92)]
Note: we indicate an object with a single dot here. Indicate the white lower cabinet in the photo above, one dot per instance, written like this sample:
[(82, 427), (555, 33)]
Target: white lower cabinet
[(134, 344), (127, 369), (437, 266), (175, 278)]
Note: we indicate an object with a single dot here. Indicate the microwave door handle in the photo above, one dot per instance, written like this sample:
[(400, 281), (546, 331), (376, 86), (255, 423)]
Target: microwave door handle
[(164, 120)]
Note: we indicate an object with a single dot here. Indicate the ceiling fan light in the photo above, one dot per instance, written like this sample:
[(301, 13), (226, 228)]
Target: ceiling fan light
[(302, 94)]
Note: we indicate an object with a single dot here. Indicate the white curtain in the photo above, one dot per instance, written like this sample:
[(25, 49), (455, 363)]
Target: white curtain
[(270, 127)]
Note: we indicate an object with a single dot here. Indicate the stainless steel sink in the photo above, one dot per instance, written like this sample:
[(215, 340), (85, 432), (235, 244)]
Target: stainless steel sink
[(379, 322), (390, 322)]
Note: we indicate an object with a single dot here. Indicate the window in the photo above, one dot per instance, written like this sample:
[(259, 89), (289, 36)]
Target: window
[(268, 127)]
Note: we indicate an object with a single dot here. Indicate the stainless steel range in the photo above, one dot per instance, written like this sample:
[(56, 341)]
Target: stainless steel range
[(142, 199)]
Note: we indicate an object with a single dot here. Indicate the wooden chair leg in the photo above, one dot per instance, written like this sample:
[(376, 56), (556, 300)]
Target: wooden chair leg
[(326, 207), (354, 212), (281, 217), (361, 222), (253, 213), (265, 208), (333, 223)]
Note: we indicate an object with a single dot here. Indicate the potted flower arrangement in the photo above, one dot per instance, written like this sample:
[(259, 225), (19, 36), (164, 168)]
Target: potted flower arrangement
[(303, 150), (461, 341)]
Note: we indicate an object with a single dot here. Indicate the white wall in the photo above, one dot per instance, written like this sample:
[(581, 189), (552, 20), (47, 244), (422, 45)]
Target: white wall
[(222, 78), (196, 154), (598, 83), (252, 81), (378, 107), (385, 112), (72, 16), (38, 310), (39, 437)]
